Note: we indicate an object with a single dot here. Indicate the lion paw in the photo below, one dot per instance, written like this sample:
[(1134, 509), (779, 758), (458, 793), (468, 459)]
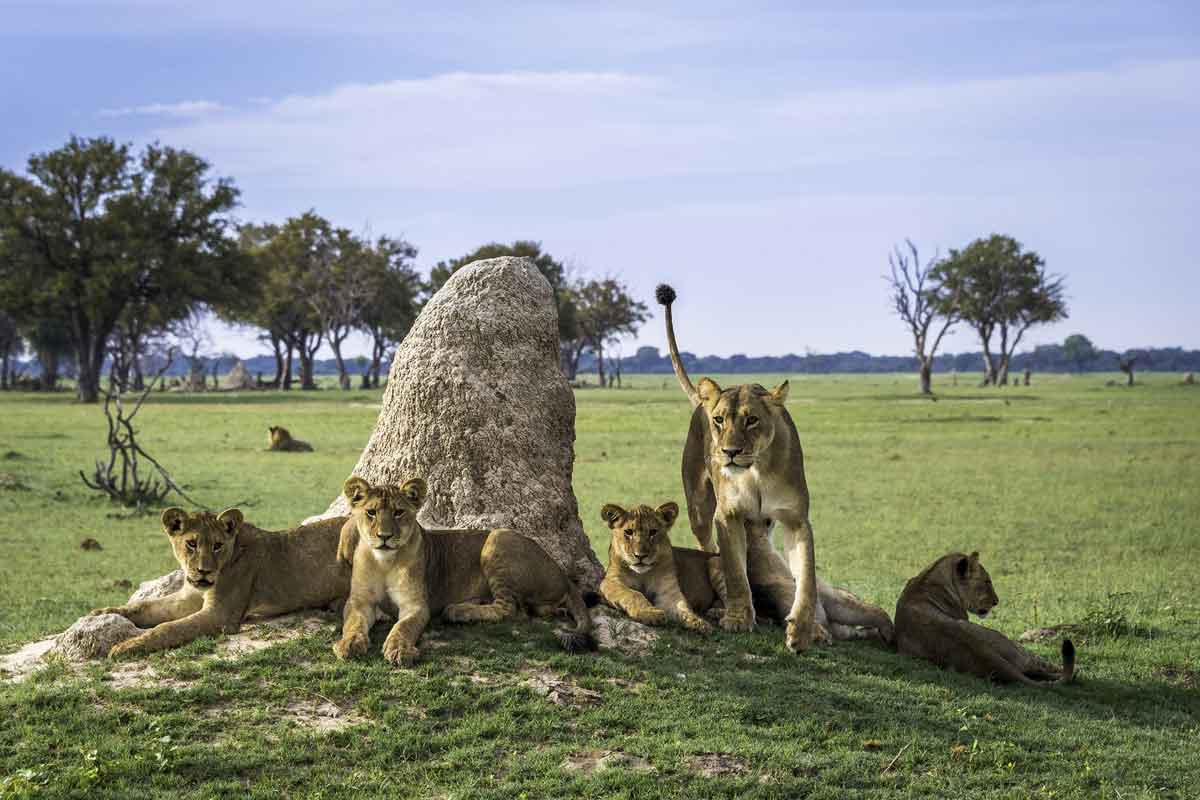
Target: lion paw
[(651, 616), (122, 648), (698, 625), (351, 646), (401, 654), (95, 612), (737, 621), (801, 637)]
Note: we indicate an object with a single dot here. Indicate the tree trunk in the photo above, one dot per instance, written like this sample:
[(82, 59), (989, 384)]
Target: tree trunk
[(926, 376), (343, 375), (498, 316), (1002, 377), (90, 360), (139, 379), (600, 364), (287, 369), (3, 371), (277, 349)]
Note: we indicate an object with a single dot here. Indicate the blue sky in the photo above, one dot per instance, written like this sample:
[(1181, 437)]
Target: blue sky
[(761, 157)]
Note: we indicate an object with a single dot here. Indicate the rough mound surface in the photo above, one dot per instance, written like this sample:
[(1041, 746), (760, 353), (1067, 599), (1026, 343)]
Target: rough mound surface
[(92, 637), (477, 404)]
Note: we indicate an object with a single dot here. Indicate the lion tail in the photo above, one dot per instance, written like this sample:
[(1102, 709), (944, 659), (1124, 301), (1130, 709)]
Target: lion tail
[(666, 296), (578, 639), (1068, 656)]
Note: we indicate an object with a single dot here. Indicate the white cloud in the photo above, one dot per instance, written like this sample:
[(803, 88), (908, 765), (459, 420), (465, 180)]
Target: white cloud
[(187, 109)]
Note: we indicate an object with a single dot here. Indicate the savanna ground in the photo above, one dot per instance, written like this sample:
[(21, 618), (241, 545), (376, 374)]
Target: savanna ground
[(1082, 499)]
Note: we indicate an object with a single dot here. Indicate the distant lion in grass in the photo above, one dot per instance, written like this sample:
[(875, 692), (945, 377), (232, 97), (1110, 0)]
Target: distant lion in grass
[(932, 623), (464, 575), (279, 438), (233, 570)]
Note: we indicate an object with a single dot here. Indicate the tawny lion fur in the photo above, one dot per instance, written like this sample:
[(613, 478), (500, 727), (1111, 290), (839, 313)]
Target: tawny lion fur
[(465, 575), (234, 570), (279, 438), (932, 623)]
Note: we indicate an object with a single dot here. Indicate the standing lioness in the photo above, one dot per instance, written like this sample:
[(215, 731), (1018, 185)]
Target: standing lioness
[(466, 576), (743, 467), (234, 570)]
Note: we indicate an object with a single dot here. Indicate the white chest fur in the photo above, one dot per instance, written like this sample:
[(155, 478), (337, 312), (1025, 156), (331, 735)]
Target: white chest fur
[(753, 495)]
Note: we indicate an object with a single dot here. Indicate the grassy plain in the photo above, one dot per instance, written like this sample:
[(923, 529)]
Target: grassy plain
[(1082, 499)]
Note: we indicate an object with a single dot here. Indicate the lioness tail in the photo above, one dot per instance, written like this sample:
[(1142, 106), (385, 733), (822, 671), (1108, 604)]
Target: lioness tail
[(1068, 655), (666, 296), (579, 638)]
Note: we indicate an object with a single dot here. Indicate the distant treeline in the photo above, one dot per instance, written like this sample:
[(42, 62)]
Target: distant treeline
[(648, 360), (1046, 358)]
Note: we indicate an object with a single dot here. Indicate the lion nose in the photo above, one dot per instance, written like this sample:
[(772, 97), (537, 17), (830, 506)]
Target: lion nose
[(384, 536), (731, 451), (203, 571)]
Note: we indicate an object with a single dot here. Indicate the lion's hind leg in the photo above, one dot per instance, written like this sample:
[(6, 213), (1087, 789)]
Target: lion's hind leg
[(847, 610)]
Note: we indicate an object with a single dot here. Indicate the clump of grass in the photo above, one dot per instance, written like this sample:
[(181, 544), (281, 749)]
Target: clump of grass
[(1109, 619)]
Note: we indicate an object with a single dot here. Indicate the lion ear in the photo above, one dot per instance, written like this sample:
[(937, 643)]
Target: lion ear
[(355, 489), (962, 566), (709, 391), (414, 491), (779, 394), (173, 519), (974, 557), (669, 513), (231, 520), (612, 514)]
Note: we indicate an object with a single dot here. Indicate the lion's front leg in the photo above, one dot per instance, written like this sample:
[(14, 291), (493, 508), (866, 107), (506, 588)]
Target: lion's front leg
[(400, 647), (148, 613), (205, 622), (739, 605), (357, 618), (670, 599), (802, 626), (632, 602)]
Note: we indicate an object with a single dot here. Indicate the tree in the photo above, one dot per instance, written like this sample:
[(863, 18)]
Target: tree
[(336, 287), (1125, 364), (918, 299), (1079, 350), (392, 302), (50, 343), (91, 231), (606, 312), (996, 287), (10, 346)]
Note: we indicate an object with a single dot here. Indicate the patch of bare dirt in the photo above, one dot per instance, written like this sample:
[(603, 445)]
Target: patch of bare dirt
[(260, 635), (559, 691), (138, 675), (11, 483), (320, 715), (17, 666), (716, 765), (601, 760)]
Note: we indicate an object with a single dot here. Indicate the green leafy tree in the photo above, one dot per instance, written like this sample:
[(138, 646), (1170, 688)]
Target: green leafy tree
[(605, 312), (1001, 290), (10, 347), (392, 301), (92, 231), (1079, 350)]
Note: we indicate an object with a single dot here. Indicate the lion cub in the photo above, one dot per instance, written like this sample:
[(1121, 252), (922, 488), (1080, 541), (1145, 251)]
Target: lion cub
[(235, 570), (279, 438), (652, 581), (466, 576), (931, 623)]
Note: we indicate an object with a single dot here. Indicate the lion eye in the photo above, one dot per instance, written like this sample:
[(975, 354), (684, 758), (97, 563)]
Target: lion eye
[(371, 513), (629, 533), (191, 544), (217, 547), (399, 513), (719, 421), (751, 421)]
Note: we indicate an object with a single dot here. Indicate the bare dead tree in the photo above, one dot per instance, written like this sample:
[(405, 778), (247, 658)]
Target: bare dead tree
[(121, 478), (918, 299)]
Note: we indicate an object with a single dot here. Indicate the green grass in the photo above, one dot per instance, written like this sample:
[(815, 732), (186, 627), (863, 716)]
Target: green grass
[(1080, 497)]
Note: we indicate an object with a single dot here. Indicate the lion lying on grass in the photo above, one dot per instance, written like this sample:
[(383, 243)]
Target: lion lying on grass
[(466, 576), (234, 570), (279, 438), (931, 623)]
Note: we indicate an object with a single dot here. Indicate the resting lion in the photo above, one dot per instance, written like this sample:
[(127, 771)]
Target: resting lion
[(234, 570), (648, 578), (931, 623), (650, 587), (466, 576), (743, 467), (279, 438)]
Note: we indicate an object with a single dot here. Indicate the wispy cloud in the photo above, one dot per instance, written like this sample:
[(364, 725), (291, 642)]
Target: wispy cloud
[(187, 109)]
